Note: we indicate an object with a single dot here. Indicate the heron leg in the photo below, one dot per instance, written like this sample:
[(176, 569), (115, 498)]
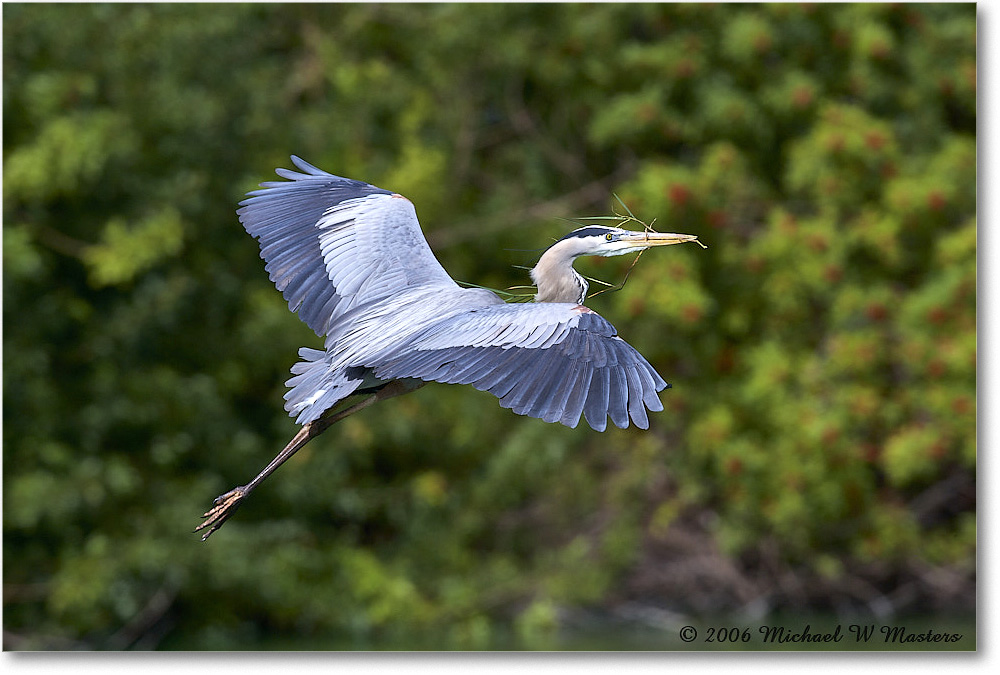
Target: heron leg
[(225, 505)]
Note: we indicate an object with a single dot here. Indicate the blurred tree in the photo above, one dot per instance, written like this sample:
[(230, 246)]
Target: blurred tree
[(818, 448)]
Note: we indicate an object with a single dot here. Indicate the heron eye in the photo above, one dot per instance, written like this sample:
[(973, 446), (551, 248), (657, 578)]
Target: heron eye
[(609, 236)]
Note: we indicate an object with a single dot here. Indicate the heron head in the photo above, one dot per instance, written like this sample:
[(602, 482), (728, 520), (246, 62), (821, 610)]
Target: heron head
[(554, 275), (604, 240)]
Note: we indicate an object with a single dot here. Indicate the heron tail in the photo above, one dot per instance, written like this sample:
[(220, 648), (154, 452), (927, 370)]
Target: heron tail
[(317, 386)]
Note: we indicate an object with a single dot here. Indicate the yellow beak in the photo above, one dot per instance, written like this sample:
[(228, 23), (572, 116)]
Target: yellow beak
[(641, 240)]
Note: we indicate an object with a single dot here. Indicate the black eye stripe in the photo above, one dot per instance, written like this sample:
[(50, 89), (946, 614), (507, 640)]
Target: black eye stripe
[(593, 231)]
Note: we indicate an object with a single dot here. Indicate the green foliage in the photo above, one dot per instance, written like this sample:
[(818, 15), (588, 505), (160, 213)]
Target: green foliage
[(124, 252), (822, 349)]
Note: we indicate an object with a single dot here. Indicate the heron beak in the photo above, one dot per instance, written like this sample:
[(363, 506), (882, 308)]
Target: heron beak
[(643, 240)]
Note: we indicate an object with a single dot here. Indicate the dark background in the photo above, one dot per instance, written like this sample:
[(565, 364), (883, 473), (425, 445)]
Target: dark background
[(817, 453)]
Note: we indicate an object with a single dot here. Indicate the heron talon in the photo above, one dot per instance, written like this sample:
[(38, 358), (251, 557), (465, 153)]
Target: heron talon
[(224, 506)]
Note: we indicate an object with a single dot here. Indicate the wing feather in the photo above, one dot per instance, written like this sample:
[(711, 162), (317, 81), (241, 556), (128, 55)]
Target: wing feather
[(577, 398), (541, 403), (475, 366), (561, 392), (510, 370), (618, 397), (553, 361), (332, 243), (596, 407), (636, 409)]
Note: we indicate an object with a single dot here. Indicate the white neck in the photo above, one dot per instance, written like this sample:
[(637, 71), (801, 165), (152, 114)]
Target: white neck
[(555, 277)]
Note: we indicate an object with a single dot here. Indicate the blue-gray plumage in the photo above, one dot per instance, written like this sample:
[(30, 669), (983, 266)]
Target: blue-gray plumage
[(351, 260)]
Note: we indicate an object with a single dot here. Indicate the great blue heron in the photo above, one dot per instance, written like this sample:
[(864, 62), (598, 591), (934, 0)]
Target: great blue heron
[(351, 260)]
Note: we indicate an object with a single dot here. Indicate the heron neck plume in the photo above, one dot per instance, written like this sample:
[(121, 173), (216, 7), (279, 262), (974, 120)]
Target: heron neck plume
[(555, 277)]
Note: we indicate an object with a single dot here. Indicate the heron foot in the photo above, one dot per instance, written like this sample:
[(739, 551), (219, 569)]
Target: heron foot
[(225, 505)]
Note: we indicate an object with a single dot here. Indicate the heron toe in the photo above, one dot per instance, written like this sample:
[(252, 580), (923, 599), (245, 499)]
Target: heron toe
[(225, 505)]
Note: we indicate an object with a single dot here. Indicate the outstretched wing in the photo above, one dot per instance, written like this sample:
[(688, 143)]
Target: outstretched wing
[(332, 243), (553, 361)]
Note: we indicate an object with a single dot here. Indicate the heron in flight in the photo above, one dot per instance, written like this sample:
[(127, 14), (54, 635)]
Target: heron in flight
[(351, 260)]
